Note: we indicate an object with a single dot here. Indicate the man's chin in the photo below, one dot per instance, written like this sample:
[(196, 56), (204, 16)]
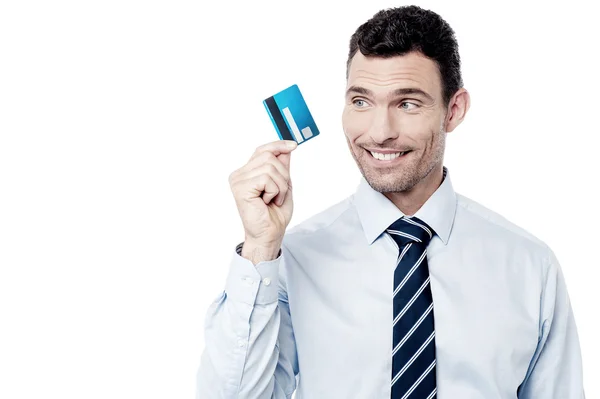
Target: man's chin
[(384, 182), (384, 179)]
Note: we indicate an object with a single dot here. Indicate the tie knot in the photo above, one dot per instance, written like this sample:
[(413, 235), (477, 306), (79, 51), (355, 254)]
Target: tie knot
[(410, 229)]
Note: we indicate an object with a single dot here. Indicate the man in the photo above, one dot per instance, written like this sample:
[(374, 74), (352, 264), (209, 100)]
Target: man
[(404, 290)]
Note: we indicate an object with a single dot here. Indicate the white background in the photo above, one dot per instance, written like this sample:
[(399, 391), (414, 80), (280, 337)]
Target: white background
[(120, 122)]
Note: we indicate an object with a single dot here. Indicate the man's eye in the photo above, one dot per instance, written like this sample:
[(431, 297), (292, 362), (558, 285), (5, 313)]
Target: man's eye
[(414, 106), (360, 103)]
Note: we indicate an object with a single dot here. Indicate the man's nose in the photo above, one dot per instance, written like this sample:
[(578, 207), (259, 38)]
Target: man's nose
[(382, 128)]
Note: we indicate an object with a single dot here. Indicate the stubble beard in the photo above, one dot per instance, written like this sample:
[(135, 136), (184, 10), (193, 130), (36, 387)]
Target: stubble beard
[(404, 177)]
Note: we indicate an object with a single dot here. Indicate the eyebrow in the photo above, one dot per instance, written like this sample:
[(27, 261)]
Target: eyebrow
[(395, 93)]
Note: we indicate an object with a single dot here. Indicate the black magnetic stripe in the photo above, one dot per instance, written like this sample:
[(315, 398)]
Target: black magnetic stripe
[(278, 118)]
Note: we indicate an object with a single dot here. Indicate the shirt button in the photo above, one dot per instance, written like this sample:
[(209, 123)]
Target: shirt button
[(267, 281), (241, 342)]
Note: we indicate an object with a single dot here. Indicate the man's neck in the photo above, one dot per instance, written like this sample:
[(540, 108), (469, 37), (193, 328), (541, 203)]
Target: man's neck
[(409, 202)]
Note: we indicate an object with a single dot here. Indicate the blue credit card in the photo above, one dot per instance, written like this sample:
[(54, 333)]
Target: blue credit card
[(290, 115)]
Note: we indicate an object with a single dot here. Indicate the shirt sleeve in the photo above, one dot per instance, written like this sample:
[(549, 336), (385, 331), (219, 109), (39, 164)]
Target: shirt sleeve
[(250, 351), (555, 371)]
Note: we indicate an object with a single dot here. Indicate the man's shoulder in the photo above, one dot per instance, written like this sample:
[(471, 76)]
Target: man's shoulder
[(495, 223)]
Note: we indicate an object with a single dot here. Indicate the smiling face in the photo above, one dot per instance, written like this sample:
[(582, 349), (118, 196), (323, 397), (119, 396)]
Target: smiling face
[(392, 105)]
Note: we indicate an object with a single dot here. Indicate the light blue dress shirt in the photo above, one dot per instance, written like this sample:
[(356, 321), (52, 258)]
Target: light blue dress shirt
[(318, 319)]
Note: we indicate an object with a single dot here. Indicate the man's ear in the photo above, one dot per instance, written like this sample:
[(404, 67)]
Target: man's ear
[(457, 109)]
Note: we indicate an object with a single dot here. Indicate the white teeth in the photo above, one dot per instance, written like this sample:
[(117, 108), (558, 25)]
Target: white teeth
[(386, 157)]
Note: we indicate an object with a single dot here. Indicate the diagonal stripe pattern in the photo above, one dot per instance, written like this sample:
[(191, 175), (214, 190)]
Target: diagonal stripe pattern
[(413, 355)]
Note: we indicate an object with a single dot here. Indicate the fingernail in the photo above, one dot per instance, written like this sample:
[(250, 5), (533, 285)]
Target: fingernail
[(291, 144)]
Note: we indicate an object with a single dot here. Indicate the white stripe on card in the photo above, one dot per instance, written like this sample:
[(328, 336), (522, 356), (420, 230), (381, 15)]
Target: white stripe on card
[(292, 123)]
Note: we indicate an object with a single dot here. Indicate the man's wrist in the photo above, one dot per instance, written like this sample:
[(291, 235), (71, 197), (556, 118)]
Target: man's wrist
[(257, 254)]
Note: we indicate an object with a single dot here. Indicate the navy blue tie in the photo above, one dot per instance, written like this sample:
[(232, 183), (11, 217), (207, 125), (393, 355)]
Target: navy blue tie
[(413, 353)]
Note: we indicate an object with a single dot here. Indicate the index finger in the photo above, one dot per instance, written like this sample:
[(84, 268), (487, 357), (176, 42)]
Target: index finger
[(277, 147)]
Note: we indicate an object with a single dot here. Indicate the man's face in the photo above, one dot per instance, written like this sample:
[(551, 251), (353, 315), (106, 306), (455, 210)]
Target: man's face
[(395, 104)]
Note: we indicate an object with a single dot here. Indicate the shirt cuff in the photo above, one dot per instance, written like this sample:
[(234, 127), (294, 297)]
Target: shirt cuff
[(253, 284)]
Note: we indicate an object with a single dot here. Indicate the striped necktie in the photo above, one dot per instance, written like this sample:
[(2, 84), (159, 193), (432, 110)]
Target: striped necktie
[(413, 354)]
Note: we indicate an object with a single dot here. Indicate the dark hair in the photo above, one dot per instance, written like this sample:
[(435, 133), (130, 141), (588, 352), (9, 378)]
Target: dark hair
[(397, 31)]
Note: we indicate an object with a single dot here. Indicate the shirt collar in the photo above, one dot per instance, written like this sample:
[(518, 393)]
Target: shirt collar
[(376, 212)]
